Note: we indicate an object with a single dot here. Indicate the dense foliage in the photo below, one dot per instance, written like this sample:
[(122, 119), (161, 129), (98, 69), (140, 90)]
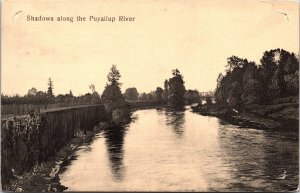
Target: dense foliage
[(248, 83), (175, 90), (131, 94), (19, 136), (192, 96), (113, 100)]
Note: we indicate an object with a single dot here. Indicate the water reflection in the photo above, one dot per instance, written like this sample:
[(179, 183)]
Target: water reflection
[(258, 158), (114, 140), (176, 120), (183, 151)]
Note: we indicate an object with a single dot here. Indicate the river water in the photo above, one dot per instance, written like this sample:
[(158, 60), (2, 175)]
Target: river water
[(182, 151)]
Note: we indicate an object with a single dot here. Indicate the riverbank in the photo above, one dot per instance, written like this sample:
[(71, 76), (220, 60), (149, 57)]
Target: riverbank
[(274, 116), (30, 145), (45, 176)]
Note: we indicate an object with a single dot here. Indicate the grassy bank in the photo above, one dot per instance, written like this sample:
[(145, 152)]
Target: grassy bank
[(36, 148), (273, 116)]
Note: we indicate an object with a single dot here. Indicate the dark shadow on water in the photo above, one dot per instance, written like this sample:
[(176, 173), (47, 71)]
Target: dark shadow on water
[(260, 156), (176, 119), (114, 140)]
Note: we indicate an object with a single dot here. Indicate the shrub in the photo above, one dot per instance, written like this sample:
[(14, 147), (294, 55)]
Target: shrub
[(121, 116)]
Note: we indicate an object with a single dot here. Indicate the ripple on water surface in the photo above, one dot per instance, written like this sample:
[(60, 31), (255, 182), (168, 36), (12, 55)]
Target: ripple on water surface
[(182, 151)]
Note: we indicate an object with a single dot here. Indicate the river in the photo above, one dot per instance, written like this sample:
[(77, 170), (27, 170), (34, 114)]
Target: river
[(182, 151)]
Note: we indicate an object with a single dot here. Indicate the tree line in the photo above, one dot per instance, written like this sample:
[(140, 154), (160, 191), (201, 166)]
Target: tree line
[(36, 97), (274, 80), (174, 93)]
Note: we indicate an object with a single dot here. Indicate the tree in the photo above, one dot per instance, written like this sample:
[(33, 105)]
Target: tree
[(289, 62), (94, 97), (176, 90), (113, 100), (50, 88), (70, 93), (114, 75), (192, 96), (92, 87), (166, 90), (159, 93), (276, 65), (246, 83), (276, 86), (235, 62), (292, 83), (252, 92), (32, 92), (219, 80), (149, 96), (269, 65), (143, 96), (41, 97), (60, 98), (131, 94)]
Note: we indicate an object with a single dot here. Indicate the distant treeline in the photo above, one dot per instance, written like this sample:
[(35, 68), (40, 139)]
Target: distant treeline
[(41, 98), (174, 87), (274, 80), (36, 97)]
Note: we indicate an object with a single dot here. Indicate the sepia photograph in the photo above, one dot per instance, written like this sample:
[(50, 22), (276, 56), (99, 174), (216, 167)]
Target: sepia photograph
[(150, 96)]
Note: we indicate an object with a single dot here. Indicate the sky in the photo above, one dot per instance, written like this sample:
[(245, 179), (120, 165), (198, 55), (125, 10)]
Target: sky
[(195, 36)]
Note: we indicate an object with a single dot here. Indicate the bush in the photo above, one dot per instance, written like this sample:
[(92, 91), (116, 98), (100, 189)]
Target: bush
[(20, 143), (121, 116)]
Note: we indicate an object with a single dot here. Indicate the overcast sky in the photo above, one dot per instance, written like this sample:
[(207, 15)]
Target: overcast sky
[(194, 36)]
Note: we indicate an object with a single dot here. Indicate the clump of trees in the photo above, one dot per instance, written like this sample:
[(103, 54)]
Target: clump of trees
[(174, 90), (113, 100), (156, 95), (245, 82), (192, 96), (131, 94)]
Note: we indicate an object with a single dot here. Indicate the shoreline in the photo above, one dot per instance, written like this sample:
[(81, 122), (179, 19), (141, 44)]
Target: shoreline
[(45, 176), (269, 117)]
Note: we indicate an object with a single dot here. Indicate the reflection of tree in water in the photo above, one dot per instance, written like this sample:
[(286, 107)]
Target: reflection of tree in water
[(176, 120), (114, 143)]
